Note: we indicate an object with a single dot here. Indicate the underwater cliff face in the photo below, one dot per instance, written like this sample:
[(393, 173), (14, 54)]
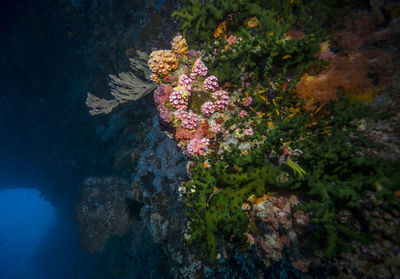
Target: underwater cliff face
[(269, 147), (288, 125)]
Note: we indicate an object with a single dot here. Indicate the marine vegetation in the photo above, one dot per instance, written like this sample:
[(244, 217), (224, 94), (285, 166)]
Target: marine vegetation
[(274, 110), (290, 124)]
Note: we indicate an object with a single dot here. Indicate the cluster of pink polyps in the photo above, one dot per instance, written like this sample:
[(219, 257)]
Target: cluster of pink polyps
[(164, 113), (186, 82), (222, 99), (199, 69), (188, 120), (216, 128), (249, 132), (179, 97), (198, 146), (211, 83), (208, 108), (248, 101)]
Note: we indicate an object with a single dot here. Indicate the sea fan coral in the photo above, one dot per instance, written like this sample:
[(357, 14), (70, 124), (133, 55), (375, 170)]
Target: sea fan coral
[(208, 108), (162, 62), (179, 45), (179, 97), (211, 83), (347, 74), (188, 120), (222, 99)]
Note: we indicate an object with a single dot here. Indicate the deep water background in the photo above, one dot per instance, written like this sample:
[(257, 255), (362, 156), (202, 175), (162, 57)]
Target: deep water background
[(52, 53)]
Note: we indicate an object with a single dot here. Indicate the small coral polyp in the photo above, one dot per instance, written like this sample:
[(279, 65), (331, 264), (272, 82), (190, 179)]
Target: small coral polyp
[(188, 120), (185, 81), (197, 146), (208, 109), (179, 97), (199, 69), (221, 100), (211, 83), (188, 101)]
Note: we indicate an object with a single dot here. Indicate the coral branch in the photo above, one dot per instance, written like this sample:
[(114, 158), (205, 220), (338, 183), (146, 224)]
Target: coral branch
[(99, 106), (125, 87)]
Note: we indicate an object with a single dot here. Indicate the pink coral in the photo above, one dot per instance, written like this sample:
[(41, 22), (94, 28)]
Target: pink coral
[(179, 97), (208, 108), (222, 99), (216, 128), (231, 40), (186, 82), (211, 83), (243, 113), (165, 114), (248, 132), (162, 93), (199, 69), (188, 120), (248, 101), (182, 134), (197, 146), (251, 239)]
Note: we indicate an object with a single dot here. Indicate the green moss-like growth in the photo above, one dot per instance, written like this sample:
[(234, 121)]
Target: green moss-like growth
[(217, 202), (332, 174), (341, 175)]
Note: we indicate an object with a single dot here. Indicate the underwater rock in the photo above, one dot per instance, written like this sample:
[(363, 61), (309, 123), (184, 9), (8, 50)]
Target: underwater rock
[(162, 160), (101, 211)]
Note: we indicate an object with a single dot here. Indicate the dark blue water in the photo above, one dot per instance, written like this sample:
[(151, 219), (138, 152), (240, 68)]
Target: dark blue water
[(25, 219), (48, 143)]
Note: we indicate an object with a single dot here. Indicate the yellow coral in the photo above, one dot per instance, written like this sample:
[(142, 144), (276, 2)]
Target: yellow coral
[(253, 22), (179, 45), (221, 29), (162, 62), (155, 78)]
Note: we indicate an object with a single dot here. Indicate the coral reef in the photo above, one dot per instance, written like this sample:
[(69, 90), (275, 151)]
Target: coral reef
[(266, 151)]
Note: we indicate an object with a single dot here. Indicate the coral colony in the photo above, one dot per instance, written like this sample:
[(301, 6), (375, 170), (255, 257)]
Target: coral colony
[(183, 88)]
